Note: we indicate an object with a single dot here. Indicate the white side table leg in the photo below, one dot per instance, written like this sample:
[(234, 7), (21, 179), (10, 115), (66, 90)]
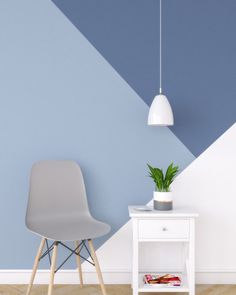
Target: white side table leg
[(135, 279), (192, 258)]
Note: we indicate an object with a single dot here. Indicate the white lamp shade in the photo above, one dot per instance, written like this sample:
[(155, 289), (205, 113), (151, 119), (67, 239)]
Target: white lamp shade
[(160, 113)]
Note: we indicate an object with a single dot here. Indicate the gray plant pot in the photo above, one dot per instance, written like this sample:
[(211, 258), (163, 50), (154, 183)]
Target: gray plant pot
[(162, 201), (162, 206)]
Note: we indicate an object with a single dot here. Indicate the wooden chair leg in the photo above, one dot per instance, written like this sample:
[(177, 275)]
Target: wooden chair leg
[(79, 265), (36, 263), (98, 270), (53, 267)]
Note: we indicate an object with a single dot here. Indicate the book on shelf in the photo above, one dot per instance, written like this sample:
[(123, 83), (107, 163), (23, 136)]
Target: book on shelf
[(168, 280)]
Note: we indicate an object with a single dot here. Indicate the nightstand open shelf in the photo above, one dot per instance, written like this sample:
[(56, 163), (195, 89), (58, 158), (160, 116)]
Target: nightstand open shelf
[(176, 226), (155, 289)]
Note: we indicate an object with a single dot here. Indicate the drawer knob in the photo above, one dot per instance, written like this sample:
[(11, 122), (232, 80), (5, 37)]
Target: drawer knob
[(164, 229)]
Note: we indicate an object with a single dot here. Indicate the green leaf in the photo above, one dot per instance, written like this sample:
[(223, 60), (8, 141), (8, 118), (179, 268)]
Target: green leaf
[(157, 175), (170, 175)]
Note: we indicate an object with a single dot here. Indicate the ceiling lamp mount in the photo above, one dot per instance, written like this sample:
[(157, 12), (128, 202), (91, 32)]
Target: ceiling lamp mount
[(160, 113)]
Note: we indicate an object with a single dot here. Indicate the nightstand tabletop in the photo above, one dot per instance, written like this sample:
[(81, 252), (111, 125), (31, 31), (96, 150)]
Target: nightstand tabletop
[(134, 212)]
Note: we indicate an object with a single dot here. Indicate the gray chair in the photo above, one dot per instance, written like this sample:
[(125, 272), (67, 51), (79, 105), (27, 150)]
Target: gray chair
[(58, 212)]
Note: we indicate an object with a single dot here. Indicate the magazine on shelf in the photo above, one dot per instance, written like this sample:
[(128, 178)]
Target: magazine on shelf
[(167, 280)]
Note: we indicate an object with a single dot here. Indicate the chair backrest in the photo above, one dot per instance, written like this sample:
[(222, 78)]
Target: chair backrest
[(56, 190)]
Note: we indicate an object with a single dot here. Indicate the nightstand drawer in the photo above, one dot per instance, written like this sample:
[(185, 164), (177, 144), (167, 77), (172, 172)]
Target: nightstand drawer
[(163, 229)]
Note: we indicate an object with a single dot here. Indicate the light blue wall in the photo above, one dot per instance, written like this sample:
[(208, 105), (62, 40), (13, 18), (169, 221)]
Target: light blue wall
[(60, 99)]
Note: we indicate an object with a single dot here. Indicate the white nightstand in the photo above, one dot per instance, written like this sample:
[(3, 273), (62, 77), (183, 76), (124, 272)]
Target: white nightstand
[(164, 226)]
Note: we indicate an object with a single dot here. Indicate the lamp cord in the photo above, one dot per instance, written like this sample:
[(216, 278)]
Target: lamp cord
[(160, 89)]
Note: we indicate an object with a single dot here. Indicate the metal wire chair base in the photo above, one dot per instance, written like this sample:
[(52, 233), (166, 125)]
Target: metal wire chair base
[(76, 251)]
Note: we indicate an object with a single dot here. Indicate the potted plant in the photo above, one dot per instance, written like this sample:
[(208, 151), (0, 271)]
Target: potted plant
[(162, 196)]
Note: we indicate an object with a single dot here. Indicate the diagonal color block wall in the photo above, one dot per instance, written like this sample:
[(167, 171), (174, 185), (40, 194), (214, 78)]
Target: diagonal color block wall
[(60, 99), (198, 56)]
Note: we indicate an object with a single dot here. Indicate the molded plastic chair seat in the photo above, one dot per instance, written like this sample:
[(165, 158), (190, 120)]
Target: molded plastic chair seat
[(57, 206), (68, 228)]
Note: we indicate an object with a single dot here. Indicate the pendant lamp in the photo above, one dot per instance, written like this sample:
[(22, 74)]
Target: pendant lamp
[(160, 112)]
